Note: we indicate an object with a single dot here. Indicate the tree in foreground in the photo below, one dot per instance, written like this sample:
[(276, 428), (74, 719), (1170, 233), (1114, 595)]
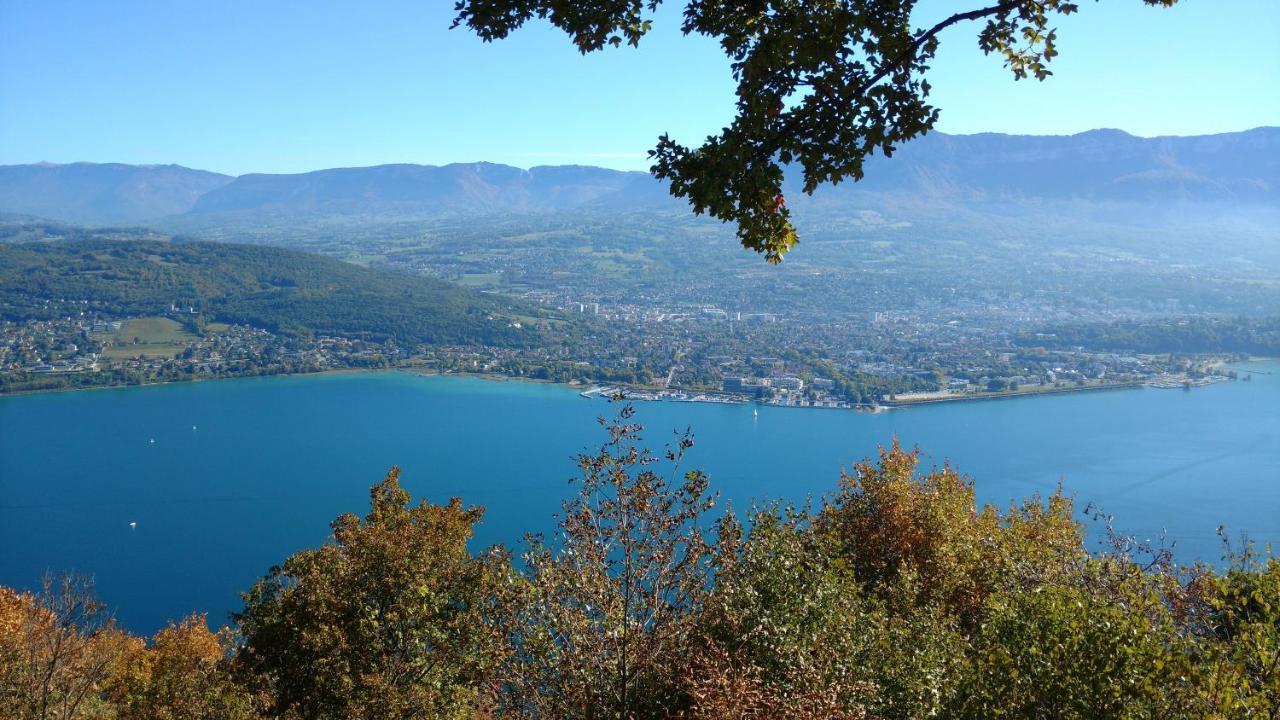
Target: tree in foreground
[(184, 674), (390, 620), (922, 539), (822, 85), (58, 650), (783, 634), (605, 613)]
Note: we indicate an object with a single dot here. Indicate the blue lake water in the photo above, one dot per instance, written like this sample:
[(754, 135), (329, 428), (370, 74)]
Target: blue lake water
[(243, 472)]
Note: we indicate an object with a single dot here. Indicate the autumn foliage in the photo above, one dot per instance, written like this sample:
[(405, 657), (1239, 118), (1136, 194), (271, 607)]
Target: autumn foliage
[(896, 596)]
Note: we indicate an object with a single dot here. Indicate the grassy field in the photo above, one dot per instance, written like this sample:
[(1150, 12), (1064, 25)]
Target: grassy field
[(476, 280), (531, 321), (150, 336)]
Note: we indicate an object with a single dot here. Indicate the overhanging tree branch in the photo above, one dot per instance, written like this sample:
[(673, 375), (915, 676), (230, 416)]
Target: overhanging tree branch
[(863, 60)]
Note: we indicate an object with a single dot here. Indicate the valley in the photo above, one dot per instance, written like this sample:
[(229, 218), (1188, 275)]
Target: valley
[(957, 270)]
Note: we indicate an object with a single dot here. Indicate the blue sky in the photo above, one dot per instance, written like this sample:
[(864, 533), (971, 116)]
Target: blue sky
[(293, 85)]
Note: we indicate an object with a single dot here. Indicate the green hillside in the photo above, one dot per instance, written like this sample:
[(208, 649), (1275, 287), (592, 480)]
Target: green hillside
[(284, 291)]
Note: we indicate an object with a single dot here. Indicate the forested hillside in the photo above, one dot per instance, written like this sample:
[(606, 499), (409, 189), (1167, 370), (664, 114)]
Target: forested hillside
[(284, 291)]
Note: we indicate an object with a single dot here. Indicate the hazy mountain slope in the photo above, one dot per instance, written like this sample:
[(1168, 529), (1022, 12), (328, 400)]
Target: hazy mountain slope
[(1105, 165), (471, 187), (103, 193), (1098, 166), (1095, 171), (278, 289)]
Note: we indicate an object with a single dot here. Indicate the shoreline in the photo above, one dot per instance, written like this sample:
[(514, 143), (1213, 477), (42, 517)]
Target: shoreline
[(1006, 395), (881, 407), (409, 369), (192, 381)]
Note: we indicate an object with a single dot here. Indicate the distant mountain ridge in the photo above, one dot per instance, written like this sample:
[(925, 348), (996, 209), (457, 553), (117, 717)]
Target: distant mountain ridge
[(471, 186), (1099, 164), (1095, 166), (103, 193)]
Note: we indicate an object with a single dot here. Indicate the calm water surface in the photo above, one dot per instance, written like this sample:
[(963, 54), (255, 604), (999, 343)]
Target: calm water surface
[(243, 472)]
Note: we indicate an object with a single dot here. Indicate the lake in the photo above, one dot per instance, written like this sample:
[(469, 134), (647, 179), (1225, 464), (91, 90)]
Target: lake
[(224, 479)]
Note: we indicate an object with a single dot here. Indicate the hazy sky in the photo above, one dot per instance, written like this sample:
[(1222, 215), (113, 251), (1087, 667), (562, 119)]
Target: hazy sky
[(292, 85)]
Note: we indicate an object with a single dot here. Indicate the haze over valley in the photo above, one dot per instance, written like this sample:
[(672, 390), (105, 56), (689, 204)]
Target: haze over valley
[(964, 263), (647, 360)]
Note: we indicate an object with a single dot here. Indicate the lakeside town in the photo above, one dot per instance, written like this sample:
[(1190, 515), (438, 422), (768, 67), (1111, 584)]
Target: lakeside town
[(790, 391), (89, 351)]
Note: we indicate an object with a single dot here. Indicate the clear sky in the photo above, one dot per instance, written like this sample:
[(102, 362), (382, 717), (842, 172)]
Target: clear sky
[(292, 85)]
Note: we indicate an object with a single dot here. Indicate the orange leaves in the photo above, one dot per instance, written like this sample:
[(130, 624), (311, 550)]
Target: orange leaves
[(189, 642), (893, 523), (57, 651), (14, 607), (185, 673), (391, 620), (727, 686)]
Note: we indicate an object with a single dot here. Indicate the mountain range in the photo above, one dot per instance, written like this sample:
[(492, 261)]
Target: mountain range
[(1097, 165), (1236, 169)]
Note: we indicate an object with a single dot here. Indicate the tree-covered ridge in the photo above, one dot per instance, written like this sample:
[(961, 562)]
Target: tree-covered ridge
[(284, 291), (897, 597)]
